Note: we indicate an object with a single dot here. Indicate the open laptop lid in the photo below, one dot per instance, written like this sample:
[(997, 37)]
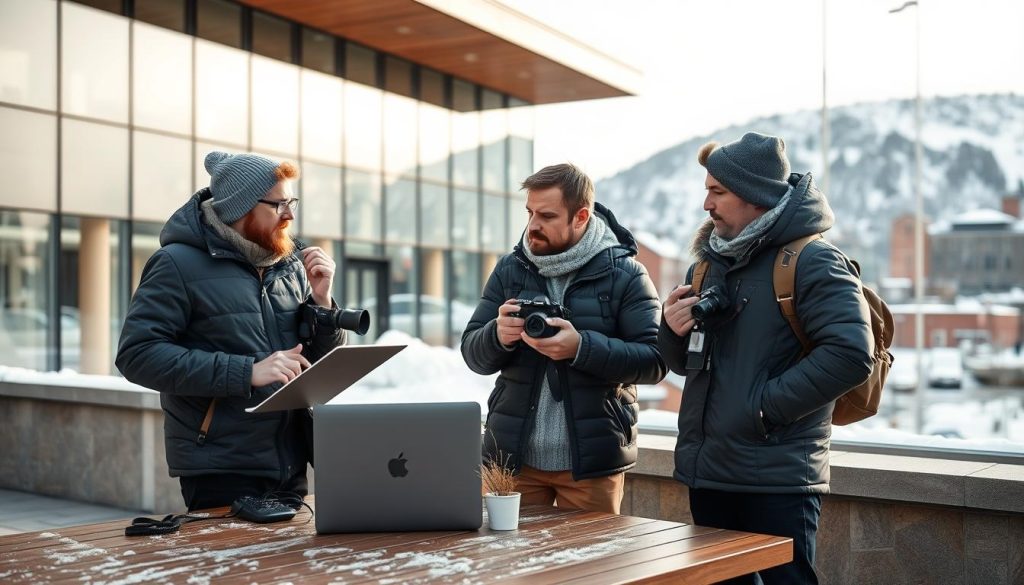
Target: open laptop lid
[(340, 368)]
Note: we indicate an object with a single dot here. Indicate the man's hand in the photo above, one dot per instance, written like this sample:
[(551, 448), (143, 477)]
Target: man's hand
[(561, 346), (280, 366), (320, 272), (509, 328), (677, 310)]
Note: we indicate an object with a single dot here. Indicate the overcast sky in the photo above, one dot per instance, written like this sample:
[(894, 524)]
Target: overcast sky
[(711, 63)]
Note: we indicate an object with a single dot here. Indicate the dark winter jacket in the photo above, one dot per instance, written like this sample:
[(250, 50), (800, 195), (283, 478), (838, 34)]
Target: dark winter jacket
[(615, 309), (199, 320), (724, 443)]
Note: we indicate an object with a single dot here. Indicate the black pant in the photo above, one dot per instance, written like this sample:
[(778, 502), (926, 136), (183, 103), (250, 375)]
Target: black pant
[(791, 515), (212, 491)]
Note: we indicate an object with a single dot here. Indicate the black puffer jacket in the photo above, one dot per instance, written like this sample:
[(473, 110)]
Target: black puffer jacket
[(198, 322), (755, 366), (616, 311)]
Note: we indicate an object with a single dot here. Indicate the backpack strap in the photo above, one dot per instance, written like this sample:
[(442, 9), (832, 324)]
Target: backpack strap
[(698, 275), (784, 283)]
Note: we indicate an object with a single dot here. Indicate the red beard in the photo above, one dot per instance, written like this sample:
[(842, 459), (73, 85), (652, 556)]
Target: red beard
[(275, 239)]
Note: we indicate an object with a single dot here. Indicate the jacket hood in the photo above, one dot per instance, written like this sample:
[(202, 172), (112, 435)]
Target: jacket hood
[(627, 243), (807, 212)]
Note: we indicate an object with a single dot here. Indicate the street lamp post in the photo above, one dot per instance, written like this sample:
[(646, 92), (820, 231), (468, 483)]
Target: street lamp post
[(918, 222)]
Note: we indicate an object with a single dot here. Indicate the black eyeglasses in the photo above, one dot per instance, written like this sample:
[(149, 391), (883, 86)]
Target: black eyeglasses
[(292, 204)]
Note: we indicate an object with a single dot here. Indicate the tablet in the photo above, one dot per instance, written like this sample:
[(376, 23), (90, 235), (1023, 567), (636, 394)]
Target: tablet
[(340, 368)]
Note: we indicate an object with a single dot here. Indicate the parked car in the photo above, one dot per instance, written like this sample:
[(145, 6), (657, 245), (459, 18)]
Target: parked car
[(945, 367), (903, 375), (433, 316)]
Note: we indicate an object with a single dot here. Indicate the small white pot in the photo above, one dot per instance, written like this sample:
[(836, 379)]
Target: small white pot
[(502, 511)]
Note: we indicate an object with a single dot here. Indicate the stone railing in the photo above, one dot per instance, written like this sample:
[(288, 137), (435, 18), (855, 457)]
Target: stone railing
[(889, 519)]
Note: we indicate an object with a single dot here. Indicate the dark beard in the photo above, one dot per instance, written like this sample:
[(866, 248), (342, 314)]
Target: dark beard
[(275, 240)]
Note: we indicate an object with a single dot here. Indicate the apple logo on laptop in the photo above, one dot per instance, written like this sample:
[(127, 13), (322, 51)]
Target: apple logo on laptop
[(396, 466)]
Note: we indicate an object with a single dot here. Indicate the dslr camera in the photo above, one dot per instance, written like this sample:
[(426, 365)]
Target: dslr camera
[(711, 301), (313, 318), (536, 312)]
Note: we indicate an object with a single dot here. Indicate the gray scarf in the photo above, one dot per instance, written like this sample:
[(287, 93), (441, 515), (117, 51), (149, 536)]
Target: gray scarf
[(559, 268), (741, 245), (258, 255)]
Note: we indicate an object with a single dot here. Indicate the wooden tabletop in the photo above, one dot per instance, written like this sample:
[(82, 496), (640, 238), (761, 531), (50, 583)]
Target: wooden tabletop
[(551, 546)]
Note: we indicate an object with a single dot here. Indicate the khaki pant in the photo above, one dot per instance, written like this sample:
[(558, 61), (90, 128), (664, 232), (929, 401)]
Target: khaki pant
[(600, 494)]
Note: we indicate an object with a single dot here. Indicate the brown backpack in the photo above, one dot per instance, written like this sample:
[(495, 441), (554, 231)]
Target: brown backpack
[(861, 401)]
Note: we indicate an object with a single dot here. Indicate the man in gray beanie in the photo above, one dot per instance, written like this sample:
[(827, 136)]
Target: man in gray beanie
[(563, 413), (213, 327), (754, 422)]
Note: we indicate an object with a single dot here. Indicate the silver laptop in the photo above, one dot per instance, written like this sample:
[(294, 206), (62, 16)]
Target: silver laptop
[(397, 467)]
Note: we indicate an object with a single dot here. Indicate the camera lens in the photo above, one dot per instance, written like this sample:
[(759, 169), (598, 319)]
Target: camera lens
[(701, 309), (535, 325)]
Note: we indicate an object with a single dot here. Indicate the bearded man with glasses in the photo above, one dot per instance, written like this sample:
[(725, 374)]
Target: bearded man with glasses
[(213, 327)]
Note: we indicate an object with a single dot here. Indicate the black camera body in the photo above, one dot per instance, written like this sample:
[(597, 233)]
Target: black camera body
[(711, 301), (536, 312), (314, 318)]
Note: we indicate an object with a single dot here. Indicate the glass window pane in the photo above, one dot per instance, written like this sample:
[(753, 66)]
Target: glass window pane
[(400, 126), (219, 21), (271, 36), (466, 288), (320, 201), (466, 226), (493, 132), (321, 117), (161, 175), (493, 235), (432, 87), (463, 96), (164, 13), (435, 142), (466, 148), (402, 303), (318, 51), (94, 63), (145, 242), (94, 169), (362, 126), (222, 93), (107, 5), (26, 260), (434, 214), (434, 278), (520, 126), (361, 64), (401, 219), (28, 53), (202, 178), (275, 106), (516, 219), (398, 76), (362, 205), (28, 143), (162, 79)]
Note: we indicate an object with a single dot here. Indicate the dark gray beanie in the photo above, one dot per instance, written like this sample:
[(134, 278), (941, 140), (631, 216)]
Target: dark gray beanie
[(238, 182), (754, 167)]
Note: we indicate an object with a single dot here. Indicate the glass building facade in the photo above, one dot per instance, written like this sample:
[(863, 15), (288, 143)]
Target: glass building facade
[(108, 108)]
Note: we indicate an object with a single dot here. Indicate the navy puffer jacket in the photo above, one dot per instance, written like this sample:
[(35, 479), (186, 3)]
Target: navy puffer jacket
[(616, 311), (199, 320)]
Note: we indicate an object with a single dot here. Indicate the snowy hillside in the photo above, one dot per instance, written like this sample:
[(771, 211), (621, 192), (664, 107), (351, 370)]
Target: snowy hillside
[(973, 155)]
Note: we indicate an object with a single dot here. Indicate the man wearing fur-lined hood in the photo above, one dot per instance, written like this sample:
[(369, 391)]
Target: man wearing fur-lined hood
[(755, 418)]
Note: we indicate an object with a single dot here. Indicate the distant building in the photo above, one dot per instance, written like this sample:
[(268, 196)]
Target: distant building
[(664, 260), (946, 325), (901, 256), (979, 251)]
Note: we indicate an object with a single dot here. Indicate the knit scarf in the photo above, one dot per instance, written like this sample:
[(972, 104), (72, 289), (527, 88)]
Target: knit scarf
[(558, 268), (259, 256), (741, 245)]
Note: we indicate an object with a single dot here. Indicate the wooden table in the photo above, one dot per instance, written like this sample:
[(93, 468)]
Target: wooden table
[(551, 546)]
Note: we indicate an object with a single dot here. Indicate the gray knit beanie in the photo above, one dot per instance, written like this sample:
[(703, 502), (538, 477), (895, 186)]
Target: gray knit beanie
[(238, 182), (754, 167)]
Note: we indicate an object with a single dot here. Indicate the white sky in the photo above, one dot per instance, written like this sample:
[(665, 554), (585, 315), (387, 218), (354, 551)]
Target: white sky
[(711, 63)]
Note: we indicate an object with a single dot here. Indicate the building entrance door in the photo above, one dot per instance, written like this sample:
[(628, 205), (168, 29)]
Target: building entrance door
[(366, 287)]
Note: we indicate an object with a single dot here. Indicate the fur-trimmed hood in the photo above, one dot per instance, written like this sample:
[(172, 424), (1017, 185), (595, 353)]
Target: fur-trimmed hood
[(808, 212)]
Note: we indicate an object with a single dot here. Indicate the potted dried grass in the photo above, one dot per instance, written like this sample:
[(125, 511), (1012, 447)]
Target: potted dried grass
[(500, 497)]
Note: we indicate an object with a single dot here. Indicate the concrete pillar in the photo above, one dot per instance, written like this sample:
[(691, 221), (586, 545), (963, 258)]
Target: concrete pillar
[(490, 260), (94, 296), (433, 273)]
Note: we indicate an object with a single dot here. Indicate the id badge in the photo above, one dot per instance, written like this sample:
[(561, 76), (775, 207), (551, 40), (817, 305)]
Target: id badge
[(696, 342), (695, 354)]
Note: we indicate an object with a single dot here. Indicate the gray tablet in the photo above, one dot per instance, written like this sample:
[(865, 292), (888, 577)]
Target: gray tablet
[(340, 368)]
